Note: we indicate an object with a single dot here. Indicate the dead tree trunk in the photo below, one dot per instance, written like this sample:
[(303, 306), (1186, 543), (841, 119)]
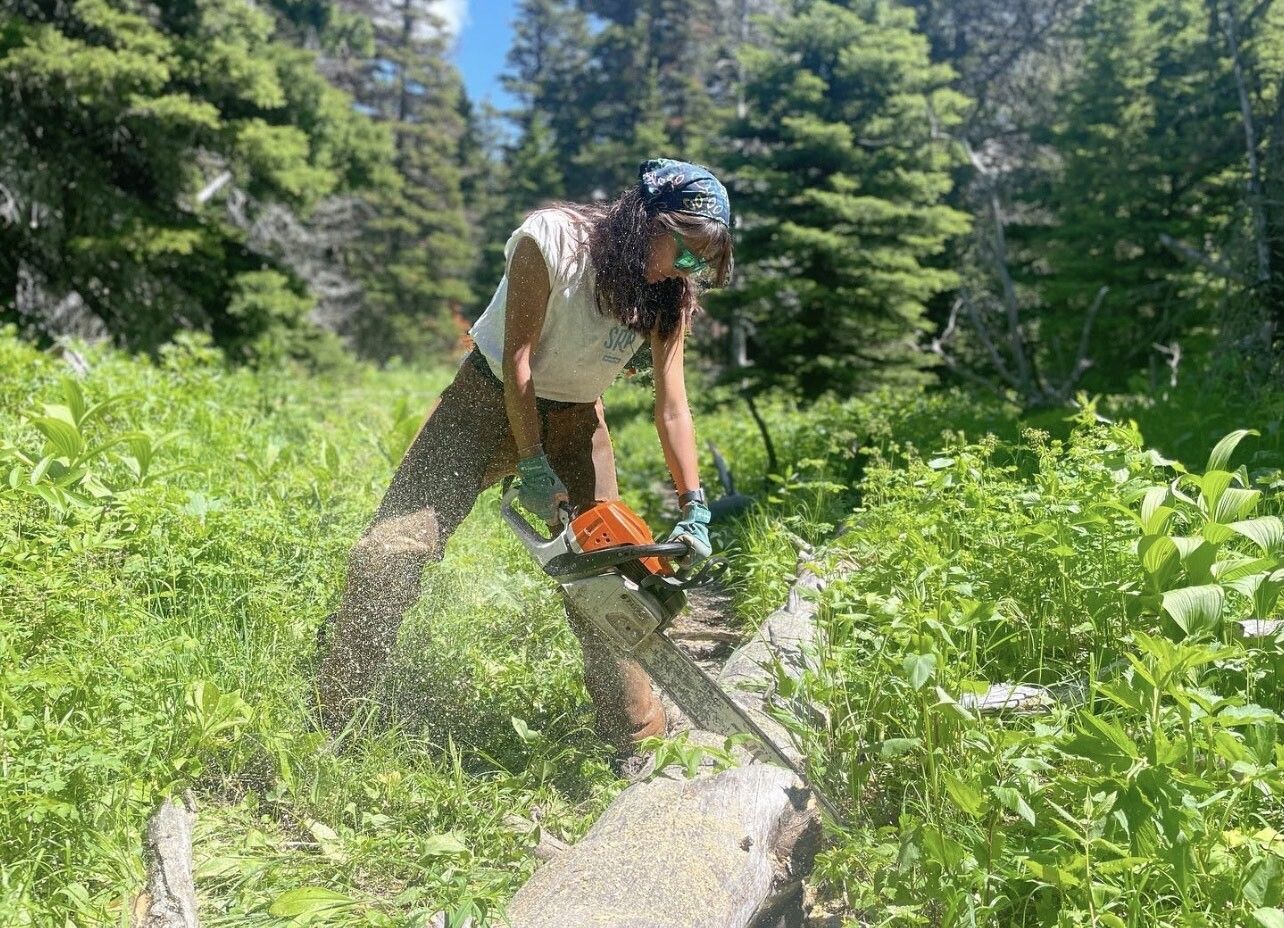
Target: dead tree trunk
[(722, 850)]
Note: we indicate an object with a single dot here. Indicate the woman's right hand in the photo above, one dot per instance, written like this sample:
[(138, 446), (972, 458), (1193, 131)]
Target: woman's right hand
[(540, 492)]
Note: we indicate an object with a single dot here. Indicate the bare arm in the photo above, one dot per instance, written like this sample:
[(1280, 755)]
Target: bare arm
[(672, 415), (528, 291)]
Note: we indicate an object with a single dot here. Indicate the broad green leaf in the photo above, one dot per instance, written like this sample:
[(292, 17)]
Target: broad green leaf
[(919, 668), (1051, 873), (1235, 504), (140, 446), (1195, 609), (75, 398), (310, 900), (1012, 800), (1235, 716), (1159, 559), (1263, 589), (1154, 514), (56, 498), (62, 436), (38, 472), (443, 845), (524, 731), (1109, 731), (62, 414), (1125, 695), (1221, 454), (1197, 557), (1269, 918), (895, 747), (1231, 569), (967, 797), (1211, 487), (1267, 532), (1215, 533), (321, 831)]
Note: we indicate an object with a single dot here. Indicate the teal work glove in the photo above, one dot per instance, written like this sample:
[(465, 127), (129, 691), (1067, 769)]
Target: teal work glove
[(540, 492), (694, 530)]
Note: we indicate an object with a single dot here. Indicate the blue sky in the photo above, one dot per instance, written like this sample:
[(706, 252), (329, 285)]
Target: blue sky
[(482, 43)]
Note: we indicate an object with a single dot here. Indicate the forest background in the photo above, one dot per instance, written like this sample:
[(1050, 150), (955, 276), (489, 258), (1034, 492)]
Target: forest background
[(1034, 197)]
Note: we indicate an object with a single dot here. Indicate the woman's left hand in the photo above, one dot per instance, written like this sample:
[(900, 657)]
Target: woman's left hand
[(694, 530)]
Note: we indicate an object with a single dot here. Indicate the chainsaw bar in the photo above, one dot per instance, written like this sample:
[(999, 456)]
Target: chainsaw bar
[(710, 707)]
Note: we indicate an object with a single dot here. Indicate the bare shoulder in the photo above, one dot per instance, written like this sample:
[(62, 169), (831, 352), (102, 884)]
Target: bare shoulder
[(527, 269)]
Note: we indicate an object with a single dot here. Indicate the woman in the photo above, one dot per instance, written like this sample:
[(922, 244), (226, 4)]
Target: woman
[(583, 286)]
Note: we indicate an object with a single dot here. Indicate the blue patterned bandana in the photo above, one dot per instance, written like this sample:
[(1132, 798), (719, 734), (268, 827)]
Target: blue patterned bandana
[(682, 187)]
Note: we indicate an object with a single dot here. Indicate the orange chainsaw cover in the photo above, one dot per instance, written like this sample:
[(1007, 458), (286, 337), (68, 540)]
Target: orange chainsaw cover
[(612, 524)]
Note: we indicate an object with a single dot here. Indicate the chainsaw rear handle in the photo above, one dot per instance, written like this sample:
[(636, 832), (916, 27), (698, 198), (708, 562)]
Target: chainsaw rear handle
[(543, 549)]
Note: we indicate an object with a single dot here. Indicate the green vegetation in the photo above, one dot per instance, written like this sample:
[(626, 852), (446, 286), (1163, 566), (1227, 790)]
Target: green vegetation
[(170, 538), (841, 225), (173, 533), (1115, 578)]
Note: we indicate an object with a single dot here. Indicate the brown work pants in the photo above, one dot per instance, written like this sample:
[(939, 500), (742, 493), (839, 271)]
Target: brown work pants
[(465, 446)]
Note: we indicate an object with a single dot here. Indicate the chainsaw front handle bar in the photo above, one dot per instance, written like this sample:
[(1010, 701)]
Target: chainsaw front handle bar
[(572, 564)]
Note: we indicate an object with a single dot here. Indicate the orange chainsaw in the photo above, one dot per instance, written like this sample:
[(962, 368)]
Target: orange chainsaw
[(617, 577)]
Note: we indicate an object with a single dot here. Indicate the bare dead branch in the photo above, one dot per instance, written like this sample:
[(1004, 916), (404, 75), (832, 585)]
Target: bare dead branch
[(1192, 254), (1261, 243), (1173, 353), (983, 333), (937, 347), (1081, 360), (213, 187)]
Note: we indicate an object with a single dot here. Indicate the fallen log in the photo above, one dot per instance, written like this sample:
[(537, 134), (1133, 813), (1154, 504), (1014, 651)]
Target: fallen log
[(169, 900), (725, 849)]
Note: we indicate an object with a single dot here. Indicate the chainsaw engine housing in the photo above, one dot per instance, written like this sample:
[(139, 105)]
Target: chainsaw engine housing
[(615, 601)]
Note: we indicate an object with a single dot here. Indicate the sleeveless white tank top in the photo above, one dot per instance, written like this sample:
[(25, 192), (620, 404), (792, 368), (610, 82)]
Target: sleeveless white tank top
[(580, 351)]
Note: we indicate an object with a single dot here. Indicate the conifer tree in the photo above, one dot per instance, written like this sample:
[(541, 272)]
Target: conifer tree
[(1142, 155), (647, 93), (120, 125), (416, 251), (839, 181)]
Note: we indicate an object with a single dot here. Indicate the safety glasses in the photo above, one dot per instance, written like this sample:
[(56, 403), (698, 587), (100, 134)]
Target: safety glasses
[(687, 261)]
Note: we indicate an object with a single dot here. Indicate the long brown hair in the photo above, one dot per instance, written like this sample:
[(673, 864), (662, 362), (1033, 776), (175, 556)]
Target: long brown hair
[(619, 242)]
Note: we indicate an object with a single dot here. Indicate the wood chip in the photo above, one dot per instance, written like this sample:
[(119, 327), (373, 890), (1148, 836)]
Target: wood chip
[(1260, 628), (1016, 698)]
